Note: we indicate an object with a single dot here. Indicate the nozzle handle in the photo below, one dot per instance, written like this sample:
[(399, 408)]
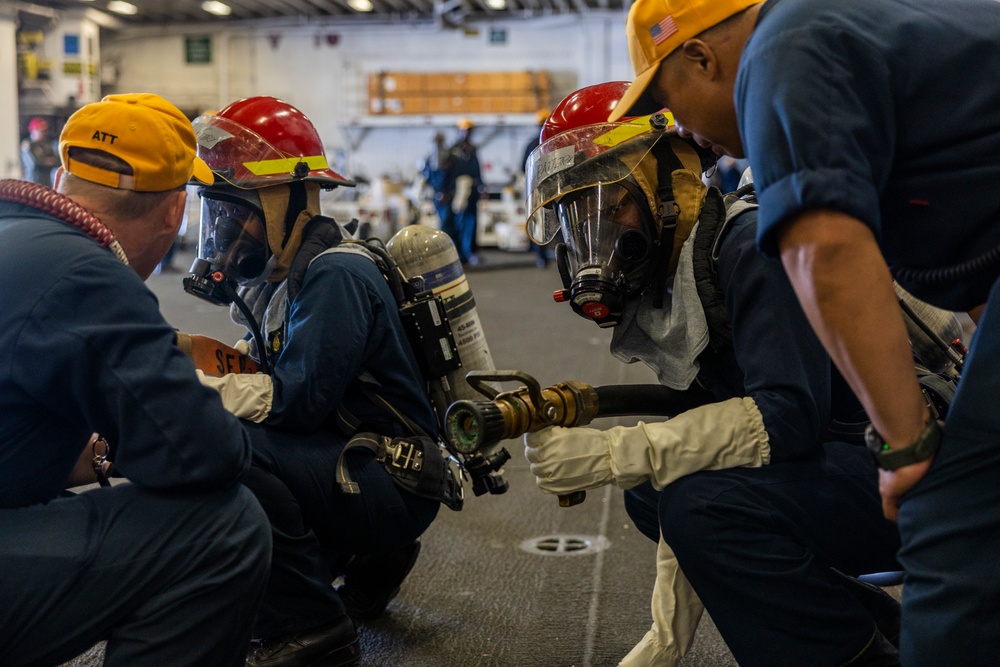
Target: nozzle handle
[(570, 499)]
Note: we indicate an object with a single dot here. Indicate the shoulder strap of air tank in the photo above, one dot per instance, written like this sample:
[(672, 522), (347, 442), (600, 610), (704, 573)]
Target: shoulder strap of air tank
[(666, 162), (714, 223), (387, 266)]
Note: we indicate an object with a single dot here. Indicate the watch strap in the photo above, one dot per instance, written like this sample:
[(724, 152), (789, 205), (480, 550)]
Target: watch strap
[(924, 447)]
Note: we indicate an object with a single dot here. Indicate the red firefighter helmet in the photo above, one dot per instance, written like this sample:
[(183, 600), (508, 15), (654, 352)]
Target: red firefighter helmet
[(262, 141), (580, 149), (587, 106), (598, 183)]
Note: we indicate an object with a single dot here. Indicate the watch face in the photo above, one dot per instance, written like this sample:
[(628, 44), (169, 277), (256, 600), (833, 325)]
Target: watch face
[(873, 441)]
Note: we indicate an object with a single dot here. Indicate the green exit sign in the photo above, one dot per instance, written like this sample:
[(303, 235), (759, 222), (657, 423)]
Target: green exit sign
[(198, 50)]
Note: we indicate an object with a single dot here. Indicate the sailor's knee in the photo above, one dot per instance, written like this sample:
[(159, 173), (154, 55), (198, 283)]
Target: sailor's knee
[(242, 533), (685, 511)]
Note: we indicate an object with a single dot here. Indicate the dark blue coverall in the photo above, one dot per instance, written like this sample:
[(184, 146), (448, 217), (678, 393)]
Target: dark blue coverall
[(169, 568), (343, 322), (855, 106), (757, 544), (464, 161)]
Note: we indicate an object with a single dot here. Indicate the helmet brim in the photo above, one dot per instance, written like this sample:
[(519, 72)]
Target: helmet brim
[(245, 160)]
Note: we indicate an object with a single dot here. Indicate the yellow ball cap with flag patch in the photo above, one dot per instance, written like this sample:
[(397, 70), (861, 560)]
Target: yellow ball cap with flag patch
[(146, 131), (655, 28)]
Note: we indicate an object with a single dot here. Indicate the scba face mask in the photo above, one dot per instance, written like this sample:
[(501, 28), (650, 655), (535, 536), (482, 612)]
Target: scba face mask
[(233, 240), (610, 248)]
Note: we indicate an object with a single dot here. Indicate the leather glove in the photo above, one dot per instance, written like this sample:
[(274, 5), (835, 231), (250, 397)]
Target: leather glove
[(721, 435), (246, 395), (676, 612), (569, 459)]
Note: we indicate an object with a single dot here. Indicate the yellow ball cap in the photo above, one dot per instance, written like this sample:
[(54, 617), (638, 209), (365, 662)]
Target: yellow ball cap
[(655, 28), (146, 131)]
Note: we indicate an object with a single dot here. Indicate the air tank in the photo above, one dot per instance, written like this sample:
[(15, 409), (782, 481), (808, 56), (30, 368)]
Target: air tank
[(430, 255)]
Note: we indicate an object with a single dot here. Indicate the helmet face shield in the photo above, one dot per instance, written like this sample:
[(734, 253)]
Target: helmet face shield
[(611, 242), (607, 228), (232, 238), (579, 158)]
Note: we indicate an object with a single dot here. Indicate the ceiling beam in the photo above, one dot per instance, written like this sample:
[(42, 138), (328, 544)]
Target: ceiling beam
[(454, 13)]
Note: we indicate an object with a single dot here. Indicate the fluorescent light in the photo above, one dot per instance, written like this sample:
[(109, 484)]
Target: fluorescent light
[(496, 4), (122, 7), (217, 8), (360, 5)]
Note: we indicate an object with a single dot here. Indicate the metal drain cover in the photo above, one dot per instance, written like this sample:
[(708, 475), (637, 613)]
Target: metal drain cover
[(565, 545)]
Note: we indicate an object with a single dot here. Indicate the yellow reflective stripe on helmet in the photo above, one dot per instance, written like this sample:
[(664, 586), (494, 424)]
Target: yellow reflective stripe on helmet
[(633, 128), (285, 165)]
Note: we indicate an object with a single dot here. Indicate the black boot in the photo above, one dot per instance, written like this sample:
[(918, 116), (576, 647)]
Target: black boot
[(884, 608), (371, 582), (878, 653), (333, 645)]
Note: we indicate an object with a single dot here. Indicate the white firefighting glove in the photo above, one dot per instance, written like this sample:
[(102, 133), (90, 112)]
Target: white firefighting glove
[(728, 434), (246, 395), (676, 612)]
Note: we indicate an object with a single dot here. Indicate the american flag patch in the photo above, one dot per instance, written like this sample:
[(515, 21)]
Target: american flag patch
[(662, 30)]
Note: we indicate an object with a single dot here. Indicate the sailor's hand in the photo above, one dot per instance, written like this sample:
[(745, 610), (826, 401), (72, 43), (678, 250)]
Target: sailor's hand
[(892, 484)]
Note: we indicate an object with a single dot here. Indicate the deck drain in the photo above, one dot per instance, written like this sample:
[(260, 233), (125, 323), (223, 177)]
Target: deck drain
[(565, 545)]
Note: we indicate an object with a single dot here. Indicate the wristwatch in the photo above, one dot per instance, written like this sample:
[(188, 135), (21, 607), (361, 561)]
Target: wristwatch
[(923, 448)]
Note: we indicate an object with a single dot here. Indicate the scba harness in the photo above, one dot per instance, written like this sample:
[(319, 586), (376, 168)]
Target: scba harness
[(418, 463)]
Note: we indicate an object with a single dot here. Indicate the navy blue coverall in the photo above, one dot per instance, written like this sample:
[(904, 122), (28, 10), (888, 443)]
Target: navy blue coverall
[(169, 568), (855, 106), (342, 324), (757, 544)]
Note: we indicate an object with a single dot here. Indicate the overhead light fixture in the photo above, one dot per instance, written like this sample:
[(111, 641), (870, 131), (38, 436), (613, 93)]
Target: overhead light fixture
[(496, 4), (360, 5), (122, 7), (217, 8)]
